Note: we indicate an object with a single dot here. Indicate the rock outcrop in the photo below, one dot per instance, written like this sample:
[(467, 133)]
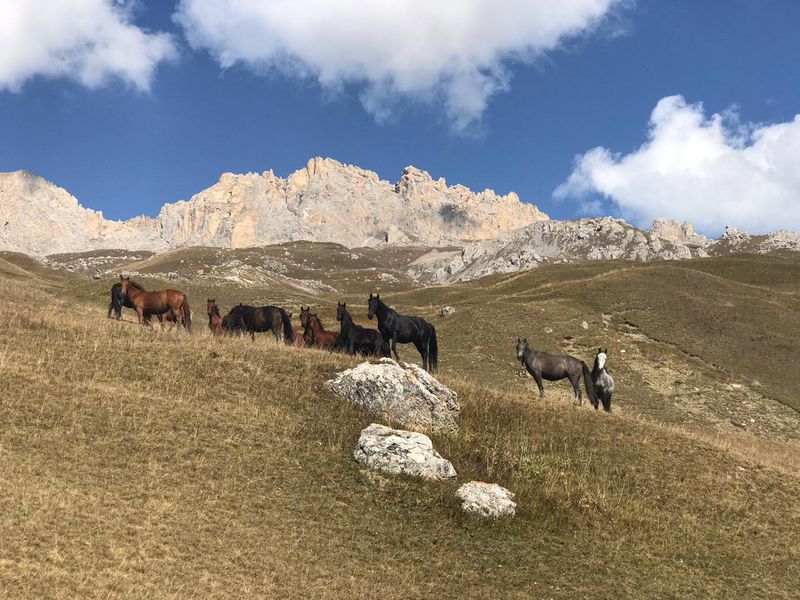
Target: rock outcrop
[(603, 238), (547, 241), (326, 201), (487, 499), (400, 393), (396, 452)]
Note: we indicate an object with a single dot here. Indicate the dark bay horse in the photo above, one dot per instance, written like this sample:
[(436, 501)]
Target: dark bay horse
[(542, 365), (172, 304), (214, 318), (257, 319), (357, 339), (397, 329), (118, 300), (602, 381), (315, 334)]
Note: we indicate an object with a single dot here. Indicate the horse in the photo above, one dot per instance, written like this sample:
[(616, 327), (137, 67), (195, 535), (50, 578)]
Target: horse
[(171, 302), (602, 381), (118, 300), (256, 319), (396, 328), (305, 313), (214, 318), (357, 339), (315, 334), (542, 365)]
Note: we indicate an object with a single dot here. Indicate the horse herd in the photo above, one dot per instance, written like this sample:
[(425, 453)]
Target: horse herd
[(172, 306)]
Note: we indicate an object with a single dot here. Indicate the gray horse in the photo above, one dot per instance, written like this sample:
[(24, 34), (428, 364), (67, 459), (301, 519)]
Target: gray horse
[(602, 381), (542, 365)]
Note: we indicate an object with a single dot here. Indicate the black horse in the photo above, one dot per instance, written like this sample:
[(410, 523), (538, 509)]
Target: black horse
[(602, 381), (357, 339), (256, 319), (542, 365), (118, 300), (397, 329)]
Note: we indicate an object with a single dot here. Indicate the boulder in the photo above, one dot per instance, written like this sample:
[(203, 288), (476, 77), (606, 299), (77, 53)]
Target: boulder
[(487, 499), (446, 311), (396, 451), (400, 393)]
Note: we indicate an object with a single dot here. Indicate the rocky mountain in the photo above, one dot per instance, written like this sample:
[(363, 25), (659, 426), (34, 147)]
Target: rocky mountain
[(593, 239), (326, 201)]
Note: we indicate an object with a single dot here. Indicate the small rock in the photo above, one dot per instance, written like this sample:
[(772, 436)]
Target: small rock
[(548, 330), (173, 276), (487, 499), (446, 311), (396, 451), (584, 325)]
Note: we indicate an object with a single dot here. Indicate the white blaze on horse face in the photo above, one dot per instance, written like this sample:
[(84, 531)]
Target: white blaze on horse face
[(601, 360)]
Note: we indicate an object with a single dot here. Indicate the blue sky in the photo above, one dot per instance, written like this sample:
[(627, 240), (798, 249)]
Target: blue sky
[(126, 150)]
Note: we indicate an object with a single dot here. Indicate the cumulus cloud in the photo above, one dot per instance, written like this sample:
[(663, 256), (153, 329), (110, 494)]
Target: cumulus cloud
[(89, 41), (453, 52), (714, 171)]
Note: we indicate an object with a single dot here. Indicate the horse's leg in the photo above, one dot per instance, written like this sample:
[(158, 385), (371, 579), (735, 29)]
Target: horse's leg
[(576, 385), (537, 377), (423, 352), (140, 315)]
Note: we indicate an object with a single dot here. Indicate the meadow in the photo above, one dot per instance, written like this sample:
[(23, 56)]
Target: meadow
[(157, 464)]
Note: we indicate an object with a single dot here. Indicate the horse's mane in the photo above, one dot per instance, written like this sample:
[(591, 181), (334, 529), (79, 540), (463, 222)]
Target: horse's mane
[(138, 286), (215, 310)]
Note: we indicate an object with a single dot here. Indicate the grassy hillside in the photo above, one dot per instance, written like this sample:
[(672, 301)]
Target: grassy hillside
[(139, 463)]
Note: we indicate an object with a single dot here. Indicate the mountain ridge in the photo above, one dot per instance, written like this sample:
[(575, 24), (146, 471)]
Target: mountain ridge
[(324, 201)]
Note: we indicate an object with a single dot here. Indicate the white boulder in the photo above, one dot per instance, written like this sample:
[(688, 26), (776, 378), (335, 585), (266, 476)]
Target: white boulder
[(395, 451), (400, 393), (487, 499)]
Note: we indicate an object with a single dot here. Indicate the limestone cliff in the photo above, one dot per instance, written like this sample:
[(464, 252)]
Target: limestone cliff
[(326, 201)]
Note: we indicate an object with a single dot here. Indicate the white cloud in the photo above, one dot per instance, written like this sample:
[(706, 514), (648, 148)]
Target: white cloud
[(450, 51), (89, 41), (712, 171)]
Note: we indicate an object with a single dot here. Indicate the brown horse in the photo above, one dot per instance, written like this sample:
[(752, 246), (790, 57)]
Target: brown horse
[(172, 303), (316, 336), (214, 318)]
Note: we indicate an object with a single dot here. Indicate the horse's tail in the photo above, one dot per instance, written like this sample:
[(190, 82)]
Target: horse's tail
[(187, 314), (433, 351), (288, 332), (589, 384)]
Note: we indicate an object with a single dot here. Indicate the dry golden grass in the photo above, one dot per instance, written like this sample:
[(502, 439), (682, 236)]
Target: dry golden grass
[(139, 463)]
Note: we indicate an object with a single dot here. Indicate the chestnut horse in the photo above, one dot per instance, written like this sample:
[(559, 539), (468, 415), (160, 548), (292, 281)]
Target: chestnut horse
[(170, 303), (214, 318), (315, 335)]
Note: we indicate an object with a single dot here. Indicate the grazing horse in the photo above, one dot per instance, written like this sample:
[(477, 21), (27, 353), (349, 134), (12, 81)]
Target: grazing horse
[(396, 328), (256, 319), (602, 381), (315, 334), (118, 300), (357, 339), (214, 318), (542, 365), (172, 303)]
